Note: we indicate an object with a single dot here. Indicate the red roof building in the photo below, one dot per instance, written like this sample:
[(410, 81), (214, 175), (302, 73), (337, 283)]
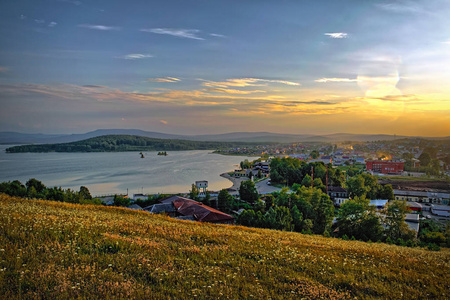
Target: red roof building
[(200, 212), (385, 166)]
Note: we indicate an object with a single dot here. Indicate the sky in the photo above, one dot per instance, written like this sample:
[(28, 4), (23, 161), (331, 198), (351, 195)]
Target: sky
[(208, 67)]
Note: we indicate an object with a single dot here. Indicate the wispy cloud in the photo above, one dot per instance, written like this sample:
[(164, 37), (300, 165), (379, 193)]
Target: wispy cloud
[(93, 86), (39, 21), (398, 98), (52, 24), (402, 6), (243, 82), (447, 42), (23, 17), (164, 122), (336, 80), (232, 91), (337, 35), (217, 35), (178, 32), (99, 27), (164, 79), (136, 56), (74, 2)]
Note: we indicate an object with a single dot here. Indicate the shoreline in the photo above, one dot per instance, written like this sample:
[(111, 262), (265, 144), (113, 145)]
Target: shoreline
[(236, 182)]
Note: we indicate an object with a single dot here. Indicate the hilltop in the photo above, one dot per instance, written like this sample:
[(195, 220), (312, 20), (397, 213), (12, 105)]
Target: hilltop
[(59, 250), (256, 137)]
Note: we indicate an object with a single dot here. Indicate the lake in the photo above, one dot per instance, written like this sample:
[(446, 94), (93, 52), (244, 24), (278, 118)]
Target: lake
[(115, 172)]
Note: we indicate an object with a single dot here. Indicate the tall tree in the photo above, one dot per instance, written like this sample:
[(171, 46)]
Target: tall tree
[(395, 221), (225, 200), (194, 192), (248, 192), (358, 219)]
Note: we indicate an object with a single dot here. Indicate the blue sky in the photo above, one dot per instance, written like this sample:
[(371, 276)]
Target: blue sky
[(194, 67)]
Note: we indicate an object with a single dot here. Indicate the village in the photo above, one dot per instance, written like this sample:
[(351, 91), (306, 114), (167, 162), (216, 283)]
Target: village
[(426, 195)]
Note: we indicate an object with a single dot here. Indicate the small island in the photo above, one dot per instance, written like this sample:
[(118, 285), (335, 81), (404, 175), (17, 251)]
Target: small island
[(164, 153)]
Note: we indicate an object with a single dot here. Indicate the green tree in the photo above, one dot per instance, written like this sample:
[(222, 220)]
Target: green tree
[(356, 186), (270, 201), (306, 181), (84, 193), (121, 201), (425, 159), (297, 219), (314, 154), (359, 219), (395, 221), (386, 192), (247, 191), (194, 192), (225, 200), (38, 185)]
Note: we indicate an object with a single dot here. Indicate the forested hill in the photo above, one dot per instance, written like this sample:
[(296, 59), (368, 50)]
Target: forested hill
[(117, 143)]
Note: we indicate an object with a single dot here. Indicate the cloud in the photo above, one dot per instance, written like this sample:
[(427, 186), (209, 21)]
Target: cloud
[(178, 32), (447, 42), (337, 35), (99, 27), (231, 91), (243, 82), (336, 80), (164, 79), (163, 121), (52, 24), (398, 98), (74, 2), (217, 35), (23, 17), (94, 86), (404, 6), (136, 56), (39, 21)]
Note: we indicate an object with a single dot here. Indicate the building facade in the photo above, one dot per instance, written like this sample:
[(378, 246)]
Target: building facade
[(385, 166)]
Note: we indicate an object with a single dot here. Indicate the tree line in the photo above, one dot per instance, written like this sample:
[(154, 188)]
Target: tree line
[(35, 189), (118, 143)]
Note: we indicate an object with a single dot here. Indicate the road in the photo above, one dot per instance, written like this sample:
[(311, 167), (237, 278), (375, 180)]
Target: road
[(263, 188)]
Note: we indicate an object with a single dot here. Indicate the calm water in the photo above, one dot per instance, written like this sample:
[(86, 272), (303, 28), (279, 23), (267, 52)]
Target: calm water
[(115, 172)]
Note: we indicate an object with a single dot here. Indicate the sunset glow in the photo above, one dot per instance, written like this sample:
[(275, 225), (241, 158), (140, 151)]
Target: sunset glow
[(203, 67)]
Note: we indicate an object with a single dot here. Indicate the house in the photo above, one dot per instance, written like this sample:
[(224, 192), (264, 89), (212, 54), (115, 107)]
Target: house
[(422, 197), (188, 209), (414, 206), (379, 203), (135, 207), (439, 198), (337, 194), (411, 196), (161, 208), (440, 210), (412, 220), (140, 197)]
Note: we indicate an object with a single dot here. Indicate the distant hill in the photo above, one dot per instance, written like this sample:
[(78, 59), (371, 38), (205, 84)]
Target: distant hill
[(259, 137), (117, 143), (56, 250)]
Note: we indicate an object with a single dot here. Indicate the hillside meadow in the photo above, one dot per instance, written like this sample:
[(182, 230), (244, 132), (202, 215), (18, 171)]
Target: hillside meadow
[(59, 250)]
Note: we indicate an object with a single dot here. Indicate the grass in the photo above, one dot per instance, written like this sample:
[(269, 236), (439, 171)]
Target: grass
[(59, 250), (411, 178)]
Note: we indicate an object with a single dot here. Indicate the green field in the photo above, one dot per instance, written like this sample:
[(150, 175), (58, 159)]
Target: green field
[(59, 250)]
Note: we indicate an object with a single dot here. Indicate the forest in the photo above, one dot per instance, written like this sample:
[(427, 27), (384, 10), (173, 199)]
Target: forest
[(119, 143)]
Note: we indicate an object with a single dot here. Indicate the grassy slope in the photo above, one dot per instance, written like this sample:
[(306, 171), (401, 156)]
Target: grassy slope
[(59, 250)]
